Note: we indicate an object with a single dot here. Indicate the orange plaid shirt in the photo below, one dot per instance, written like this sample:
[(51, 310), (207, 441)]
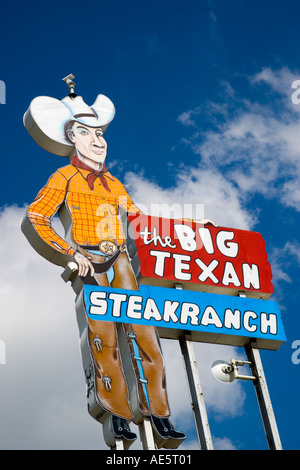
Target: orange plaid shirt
[(94, 213)]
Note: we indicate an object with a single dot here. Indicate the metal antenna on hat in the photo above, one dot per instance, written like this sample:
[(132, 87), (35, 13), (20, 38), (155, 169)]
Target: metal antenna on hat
[(71, 85)]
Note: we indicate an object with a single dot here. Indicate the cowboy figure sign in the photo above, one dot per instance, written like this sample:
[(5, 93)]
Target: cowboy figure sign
[(87, 198)]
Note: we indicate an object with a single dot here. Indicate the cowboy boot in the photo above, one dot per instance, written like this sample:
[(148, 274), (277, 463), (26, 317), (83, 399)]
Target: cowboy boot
[(115, 428), (165, 434)]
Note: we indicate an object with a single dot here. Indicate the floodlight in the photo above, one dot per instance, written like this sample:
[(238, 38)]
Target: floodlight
[(227, 372)]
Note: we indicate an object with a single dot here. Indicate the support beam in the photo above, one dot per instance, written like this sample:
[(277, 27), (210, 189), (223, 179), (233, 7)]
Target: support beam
[(263, 398), (197, 398), (146, 435), (119, 445)]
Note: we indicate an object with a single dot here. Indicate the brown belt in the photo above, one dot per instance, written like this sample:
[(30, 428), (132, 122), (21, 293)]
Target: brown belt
[(100, 262)]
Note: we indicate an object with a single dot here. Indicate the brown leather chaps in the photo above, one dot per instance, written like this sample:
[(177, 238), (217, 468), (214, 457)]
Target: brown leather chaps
[(124, 366)]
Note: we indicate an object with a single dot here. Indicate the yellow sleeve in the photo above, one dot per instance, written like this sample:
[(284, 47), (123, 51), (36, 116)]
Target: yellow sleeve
[(44, 207)]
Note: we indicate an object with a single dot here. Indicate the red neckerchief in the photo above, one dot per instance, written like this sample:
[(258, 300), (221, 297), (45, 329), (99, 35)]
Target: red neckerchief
[(91, 177)]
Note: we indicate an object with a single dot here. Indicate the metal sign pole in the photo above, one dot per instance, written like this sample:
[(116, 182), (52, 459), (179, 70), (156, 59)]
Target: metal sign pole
[(146, 435), (197, 398), (119, 445), (198, 404), (263, 398)]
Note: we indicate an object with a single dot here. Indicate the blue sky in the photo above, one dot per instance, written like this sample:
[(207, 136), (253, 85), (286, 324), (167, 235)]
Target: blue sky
[(204, 114)]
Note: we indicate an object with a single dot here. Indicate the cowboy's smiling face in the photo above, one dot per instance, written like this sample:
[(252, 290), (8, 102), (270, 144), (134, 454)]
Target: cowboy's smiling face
[(91, 147)]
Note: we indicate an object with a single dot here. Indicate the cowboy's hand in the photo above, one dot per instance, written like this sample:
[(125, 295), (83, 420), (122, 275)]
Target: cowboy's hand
[(84, 264), (205, 222)]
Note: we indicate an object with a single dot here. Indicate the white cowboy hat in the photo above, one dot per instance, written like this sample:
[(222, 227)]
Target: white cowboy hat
[(46, 117)]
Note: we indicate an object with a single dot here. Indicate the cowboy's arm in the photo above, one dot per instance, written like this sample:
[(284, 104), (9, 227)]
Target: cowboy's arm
[(37, 224)]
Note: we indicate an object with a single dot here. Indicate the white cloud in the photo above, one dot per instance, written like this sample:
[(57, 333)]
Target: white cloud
[(43, 403), (281, 82), (198, 192), (282, 259), (185, 118), (224, 444), (252, 145)]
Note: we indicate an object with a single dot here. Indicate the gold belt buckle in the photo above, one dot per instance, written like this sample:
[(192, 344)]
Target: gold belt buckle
[(108, 247)]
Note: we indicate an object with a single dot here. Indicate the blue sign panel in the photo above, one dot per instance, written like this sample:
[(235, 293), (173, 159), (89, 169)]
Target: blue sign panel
[(206, 317)]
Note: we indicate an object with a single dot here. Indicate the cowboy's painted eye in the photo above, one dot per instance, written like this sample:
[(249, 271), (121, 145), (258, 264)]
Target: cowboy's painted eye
[(82, 130), (99, 133)]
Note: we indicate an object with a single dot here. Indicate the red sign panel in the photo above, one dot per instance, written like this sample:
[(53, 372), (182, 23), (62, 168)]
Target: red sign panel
[(202, 257)]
